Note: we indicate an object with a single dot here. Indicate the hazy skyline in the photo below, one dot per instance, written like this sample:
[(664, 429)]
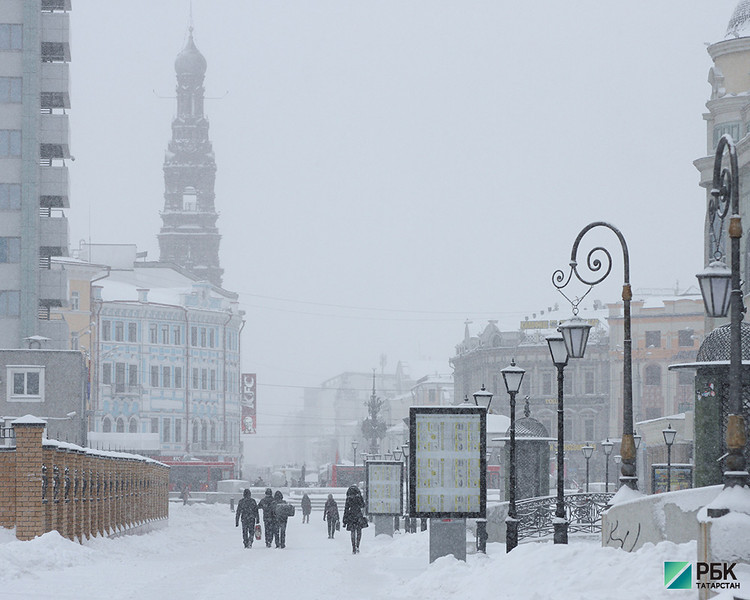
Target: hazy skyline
[(386, 171)]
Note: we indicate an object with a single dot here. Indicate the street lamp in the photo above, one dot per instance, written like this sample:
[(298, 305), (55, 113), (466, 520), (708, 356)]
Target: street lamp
[(512, 376), (607, 448), (587, 450), (669, 435), (355, 443), (559, 351), (483, 398), (575, 331), (405, 450), (715, 282)]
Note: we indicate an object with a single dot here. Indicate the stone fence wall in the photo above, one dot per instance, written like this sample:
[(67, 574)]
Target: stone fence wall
[(47, 485)]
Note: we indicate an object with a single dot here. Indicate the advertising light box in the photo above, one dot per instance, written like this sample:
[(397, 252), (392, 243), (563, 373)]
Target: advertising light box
[(384, 482), (447, 461)]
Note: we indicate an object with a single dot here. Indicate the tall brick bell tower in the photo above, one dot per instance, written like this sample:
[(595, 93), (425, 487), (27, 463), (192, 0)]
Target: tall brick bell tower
[(189, 237)]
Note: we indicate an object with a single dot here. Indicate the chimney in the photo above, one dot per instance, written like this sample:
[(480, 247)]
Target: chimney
[(142, 295)]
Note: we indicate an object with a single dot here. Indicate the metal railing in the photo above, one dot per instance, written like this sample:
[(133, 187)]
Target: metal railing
[(583, 512)]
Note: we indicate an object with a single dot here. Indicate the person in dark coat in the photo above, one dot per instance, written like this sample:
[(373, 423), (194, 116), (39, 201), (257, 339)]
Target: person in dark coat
[(281, 518), (331, 515), (354, 515), (185, 494), (266, 504), (247, 510), (306, 508)]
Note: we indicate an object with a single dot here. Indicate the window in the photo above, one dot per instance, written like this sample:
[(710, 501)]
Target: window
[(10, 303), (165, 334), (10, 196), (653, 339), (10, 142), (119, 377), (546, 383), (732, 129), (203, 337), (195, 378), (193, 336), (132, 375), (133, 425), (152, 334), (10, 249), (165, 430), (685, 337), (132, 332), (204, 379), (685, 377), (177, 336), (26, 384), (10, 90), (106, 425), (106, 330), (154, 376), (120, 425), (196, 432), (178, 377), (119, 331), (75, 301), (107, 373), (212, 385), (211, 338), (190, 199), (653, 375), (588, 428), (588, 383), (213, 431), (568, 424), (178, 430), (155, 425), (166, 377), (568, 383), (11, 36)]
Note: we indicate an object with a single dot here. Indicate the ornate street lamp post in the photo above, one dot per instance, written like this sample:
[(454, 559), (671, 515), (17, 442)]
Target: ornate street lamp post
[(559, 352), (607, 448), (575, 332), (720, 287), (482, 398), (407, 519), (512, 376), (669, 435), (587, 450)]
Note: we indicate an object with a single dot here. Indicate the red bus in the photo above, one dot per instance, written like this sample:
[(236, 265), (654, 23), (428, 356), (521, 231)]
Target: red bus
[(200, 476)]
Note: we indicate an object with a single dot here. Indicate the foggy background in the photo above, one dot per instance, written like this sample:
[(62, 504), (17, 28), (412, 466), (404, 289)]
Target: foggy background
[(389, 169)]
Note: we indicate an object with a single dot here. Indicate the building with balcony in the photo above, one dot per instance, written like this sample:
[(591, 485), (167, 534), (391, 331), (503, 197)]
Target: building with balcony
[(34, 148)]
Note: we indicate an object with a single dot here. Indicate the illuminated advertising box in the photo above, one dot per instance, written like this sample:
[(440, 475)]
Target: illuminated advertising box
[(447, 461), (384, 487)]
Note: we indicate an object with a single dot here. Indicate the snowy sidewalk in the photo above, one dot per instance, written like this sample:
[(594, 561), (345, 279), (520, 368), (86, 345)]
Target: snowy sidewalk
[(200, 555)]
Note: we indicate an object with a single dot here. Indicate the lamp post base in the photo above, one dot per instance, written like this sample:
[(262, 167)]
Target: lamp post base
[(561, 532), (511, 534)]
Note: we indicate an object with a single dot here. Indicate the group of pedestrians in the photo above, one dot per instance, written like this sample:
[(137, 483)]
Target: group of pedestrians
[(276, 512)]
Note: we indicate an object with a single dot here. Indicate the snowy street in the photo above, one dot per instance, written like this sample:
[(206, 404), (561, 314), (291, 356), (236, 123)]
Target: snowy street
[(200, 555)]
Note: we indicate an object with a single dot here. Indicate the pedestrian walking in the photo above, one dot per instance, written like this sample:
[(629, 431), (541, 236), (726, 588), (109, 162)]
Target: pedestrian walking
[(247, 510), (283, 511), (266, 504), (185, 494), (354, 516), (331, 515), (306, 508)]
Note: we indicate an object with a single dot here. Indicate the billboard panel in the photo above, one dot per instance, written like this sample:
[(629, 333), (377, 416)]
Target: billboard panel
[(447, 461), (247, 402), (384, 487)]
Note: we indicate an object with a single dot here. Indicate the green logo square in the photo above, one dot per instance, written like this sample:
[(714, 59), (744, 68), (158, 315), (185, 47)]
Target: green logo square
[(678, 575)]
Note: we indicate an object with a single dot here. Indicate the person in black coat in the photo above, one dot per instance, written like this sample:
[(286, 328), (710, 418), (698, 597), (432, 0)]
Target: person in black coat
[(266, 504), (354, 515), (331, 515), (247, 510), (282, 512), (306, 508)]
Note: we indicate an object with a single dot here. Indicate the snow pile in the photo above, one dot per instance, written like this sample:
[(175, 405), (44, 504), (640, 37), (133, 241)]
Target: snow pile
[(200, 555)]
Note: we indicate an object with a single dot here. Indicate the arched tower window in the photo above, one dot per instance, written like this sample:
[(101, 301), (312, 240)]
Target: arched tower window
[(190, 199)]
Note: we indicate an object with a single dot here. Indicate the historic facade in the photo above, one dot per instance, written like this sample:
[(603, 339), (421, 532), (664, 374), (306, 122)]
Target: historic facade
[(34, 148), (189, 237)]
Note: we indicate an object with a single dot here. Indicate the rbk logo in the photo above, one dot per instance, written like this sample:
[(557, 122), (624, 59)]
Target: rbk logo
[(678, 575)]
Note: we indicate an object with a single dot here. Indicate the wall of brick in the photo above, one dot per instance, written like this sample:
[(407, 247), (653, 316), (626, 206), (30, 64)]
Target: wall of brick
[(79, 492)]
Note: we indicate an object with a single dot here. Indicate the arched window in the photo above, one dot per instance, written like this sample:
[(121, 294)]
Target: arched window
[(653, 375), (106, 425), (133, 425), (196, 432), (120, 425), (213, 431), (204, 431)]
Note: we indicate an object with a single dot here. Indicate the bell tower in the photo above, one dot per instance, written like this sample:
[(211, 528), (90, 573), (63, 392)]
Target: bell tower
[(189, 237)]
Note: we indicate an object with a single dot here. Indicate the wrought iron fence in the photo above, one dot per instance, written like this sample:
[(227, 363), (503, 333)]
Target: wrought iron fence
[(583, 512)]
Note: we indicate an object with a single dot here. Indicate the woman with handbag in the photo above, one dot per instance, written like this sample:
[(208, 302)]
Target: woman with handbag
[(331, 515), (354, 516)]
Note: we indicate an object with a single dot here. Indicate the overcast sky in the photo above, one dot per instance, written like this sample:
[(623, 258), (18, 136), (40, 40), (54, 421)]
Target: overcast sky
[(389, 169)]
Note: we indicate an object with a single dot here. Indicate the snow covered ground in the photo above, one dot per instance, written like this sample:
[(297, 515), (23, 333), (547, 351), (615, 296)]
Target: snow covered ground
[(200, 555)]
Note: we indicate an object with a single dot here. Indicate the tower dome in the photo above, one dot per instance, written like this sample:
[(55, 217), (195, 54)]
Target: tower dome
[(739, 24), (190, 61)]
